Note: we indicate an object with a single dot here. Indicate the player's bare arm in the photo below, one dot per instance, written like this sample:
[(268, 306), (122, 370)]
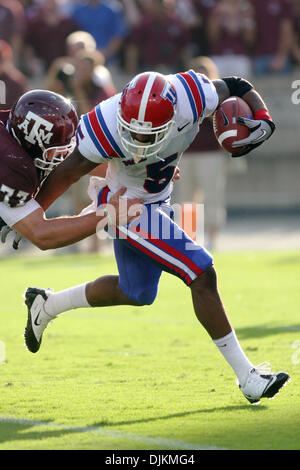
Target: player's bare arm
[(53, 233), (262, 126), (62, 177)]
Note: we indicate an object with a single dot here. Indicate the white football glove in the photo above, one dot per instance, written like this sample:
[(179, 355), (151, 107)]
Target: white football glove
[(5, 230), (260, 131), (95, 185), (119, 217)]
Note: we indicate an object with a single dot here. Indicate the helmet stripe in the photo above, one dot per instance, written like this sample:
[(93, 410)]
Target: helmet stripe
[(145, 97)]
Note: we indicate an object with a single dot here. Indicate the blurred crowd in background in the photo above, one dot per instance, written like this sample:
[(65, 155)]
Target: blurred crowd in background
[(64, 44), (88, 50)]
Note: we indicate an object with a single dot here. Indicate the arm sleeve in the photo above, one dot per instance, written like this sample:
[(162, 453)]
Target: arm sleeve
[(12, 215)]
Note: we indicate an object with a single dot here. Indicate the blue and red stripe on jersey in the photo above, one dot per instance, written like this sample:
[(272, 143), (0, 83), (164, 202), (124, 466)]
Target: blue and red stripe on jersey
[(102, 196), (194, 91), (100, 134)]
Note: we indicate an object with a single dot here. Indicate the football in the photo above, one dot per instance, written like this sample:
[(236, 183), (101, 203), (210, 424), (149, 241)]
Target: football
[(226, 128)]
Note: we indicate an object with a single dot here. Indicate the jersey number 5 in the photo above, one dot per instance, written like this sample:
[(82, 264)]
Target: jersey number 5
[(159, 174)]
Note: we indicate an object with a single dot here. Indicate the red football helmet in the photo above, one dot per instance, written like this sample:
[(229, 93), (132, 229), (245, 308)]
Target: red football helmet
[(44, 124), (147, 108)]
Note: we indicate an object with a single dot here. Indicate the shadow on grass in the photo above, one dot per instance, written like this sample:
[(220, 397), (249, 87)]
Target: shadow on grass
[(15, 431), (182, 415), (260, 331)]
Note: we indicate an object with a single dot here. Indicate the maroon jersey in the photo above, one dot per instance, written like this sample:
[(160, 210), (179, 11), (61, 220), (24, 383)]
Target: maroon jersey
[(18, 175)]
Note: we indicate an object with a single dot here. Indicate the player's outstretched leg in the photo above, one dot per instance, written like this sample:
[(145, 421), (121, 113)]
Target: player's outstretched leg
[(43, 305), (254, 382)]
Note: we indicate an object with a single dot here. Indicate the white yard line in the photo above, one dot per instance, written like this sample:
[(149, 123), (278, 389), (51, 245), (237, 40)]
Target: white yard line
[(110, 433)]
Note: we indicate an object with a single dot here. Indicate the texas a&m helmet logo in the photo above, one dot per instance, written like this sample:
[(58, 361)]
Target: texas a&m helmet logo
[(36, 129)]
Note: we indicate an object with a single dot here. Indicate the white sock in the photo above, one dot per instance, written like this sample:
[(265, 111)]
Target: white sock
[(67, 299), (234, 355)]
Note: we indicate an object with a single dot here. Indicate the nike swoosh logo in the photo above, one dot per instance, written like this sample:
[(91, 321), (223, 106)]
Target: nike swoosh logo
[(226, 122), (36, 309), (35, 320), (180, 128), (264, 133)]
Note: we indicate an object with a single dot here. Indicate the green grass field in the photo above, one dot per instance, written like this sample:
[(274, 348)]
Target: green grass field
[(149, 377)]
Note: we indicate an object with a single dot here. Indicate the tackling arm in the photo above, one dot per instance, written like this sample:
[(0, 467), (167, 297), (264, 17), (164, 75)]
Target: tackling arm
[(47, 234), (62, 177)]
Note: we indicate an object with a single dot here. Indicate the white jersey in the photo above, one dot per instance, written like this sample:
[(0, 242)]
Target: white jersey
[(149, 179)]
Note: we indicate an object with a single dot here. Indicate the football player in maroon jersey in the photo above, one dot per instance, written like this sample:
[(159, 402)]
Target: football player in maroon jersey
[(35, 136)]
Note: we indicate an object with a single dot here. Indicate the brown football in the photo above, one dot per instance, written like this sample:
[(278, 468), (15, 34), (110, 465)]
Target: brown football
[(227, 129)]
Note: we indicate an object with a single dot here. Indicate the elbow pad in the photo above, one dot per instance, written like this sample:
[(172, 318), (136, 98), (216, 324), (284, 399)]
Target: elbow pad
[(237, 86)]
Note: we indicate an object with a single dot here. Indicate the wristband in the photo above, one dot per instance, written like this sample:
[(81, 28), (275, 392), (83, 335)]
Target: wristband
[(262, 114)]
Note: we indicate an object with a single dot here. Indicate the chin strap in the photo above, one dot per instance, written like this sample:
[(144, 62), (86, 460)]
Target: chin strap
[(10, 129)]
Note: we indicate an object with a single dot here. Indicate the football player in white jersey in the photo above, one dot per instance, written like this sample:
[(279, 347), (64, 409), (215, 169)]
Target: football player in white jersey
[(143, 133)]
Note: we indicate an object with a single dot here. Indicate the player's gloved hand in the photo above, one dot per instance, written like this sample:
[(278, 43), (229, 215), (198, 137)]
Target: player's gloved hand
[(119, 210), (260, 131), (5, 230), (95, 185)]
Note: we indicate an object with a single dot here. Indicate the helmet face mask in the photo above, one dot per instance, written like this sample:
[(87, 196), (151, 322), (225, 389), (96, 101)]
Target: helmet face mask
[(147, 107), (139, 149), (53, 156), (44, 124)]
